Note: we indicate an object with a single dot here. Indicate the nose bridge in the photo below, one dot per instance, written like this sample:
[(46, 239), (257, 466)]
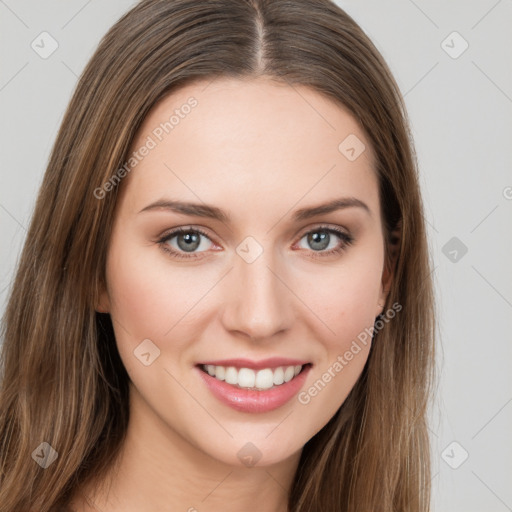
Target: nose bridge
[(259, 304)]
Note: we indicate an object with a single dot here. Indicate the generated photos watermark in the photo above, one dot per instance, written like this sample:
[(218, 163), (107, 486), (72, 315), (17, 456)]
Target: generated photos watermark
[(344, 359), (151, 142)]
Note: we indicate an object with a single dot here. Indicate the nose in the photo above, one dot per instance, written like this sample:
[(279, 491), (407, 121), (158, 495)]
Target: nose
[(259, 303)]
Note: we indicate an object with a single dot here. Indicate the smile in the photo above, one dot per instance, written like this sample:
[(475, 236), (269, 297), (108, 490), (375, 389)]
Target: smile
[(254, 387), (248, 378)]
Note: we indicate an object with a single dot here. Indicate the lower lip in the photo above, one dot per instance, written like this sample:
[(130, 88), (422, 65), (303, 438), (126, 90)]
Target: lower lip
[(247, 400)]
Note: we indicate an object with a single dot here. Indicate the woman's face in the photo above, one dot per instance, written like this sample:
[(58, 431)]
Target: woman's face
[(245, 169)]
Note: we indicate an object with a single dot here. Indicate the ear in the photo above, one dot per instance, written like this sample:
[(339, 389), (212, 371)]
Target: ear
[(388, 272), (102, 303)]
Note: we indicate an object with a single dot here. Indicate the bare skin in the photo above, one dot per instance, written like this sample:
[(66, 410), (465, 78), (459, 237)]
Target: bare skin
[(259, 151)]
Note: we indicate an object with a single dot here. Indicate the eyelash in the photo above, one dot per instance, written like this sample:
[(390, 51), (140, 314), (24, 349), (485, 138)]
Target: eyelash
[(346, 241)]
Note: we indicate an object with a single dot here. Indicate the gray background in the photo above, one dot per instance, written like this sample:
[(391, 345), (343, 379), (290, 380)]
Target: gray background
[(460, 107)]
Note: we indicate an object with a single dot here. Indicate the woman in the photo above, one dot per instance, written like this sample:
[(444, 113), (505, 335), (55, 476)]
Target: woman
[(224, 298)]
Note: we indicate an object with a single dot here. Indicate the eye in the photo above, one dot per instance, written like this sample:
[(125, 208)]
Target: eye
[(326, 241), (184, 242)]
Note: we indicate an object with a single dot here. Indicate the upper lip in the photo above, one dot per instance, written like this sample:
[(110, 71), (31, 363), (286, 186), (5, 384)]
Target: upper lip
[(271, 362)]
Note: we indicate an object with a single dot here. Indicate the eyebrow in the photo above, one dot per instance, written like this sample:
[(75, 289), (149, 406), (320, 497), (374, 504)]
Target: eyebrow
[(213, 212)]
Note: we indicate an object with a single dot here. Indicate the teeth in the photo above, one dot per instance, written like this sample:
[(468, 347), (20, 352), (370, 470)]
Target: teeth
[(289, 373), (256, 379), (231, 375), (278, 376), (246, 378), (220, 372), (265, 379)]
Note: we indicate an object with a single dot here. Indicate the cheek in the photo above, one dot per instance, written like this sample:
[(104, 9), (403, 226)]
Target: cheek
[(346, 304), (349, 312), (345, 298), (150, 299), (137, 299)]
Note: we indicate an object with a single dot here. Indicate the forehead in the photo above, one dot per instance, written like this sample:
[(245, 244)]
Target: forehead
[(250, 142)]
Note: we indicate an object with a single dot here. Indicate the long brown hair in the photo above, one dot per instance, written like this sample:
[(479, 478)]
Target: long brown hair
[(62, 378)]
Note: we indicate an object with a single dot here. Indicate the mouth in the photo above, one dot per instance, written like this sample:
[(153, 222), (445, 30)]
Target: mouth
[(254, 387), (262, 379)]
